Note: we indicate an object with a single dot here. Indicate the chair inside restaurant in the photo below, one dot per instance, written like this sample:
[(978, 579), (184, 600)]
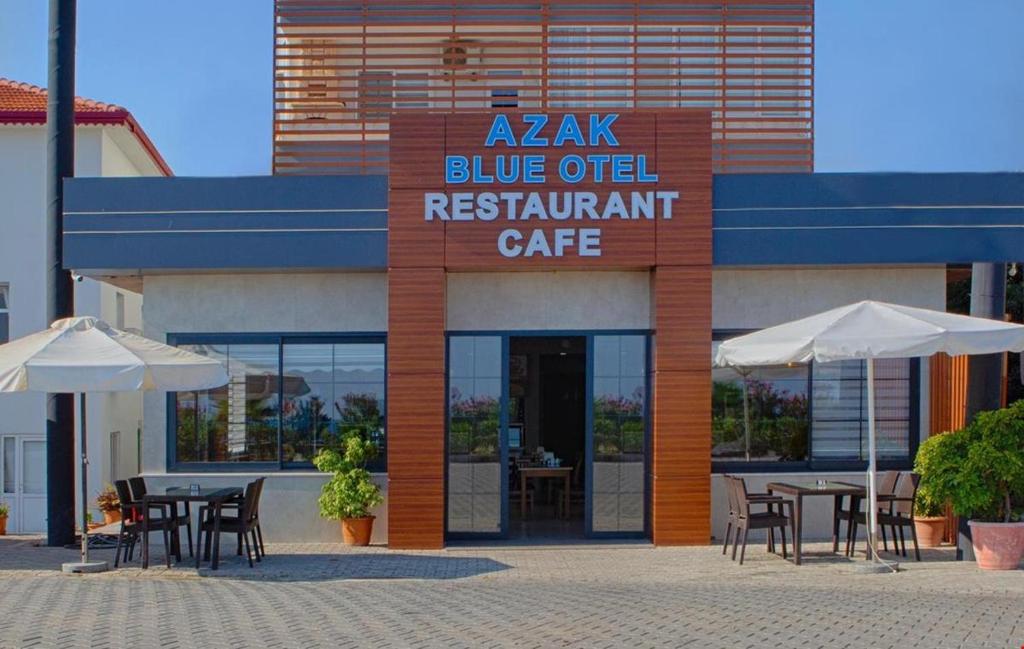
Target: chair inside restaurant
[(547, 426)]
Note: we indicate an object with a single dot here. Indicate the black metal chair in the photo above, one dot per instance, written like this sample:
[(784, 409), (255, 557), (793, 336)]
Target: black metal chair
[(886, 485), (134, 514), (179, 519), (746, 520), (243, 524), (900, 514), (128, 535), (258, 529)]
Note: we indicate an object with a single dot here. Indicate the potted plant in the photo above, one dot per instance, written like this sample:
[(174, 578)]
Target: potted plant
[(4, 511), (108, 503), (350, 494), (980, 471), (929, 507)]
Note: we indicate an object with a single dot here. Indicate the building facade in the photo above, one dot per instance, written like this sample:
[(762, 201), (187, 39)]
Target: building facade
[(108, 142), (502, 241), (342, 68)]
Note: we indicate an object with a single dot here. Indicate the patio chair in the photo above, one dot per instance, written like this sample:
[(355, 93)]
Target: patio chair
[(257, 536), (747, 520), (132, 513), (242, 524), (758, 497), (128, 534), (886, 485), (900, 514), (183, 519)]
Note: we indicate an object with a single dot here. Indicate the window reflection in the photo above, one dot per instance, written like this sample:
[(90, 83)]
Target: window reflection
[(770, 424), (331, 391), (314, 394), (236, 422)]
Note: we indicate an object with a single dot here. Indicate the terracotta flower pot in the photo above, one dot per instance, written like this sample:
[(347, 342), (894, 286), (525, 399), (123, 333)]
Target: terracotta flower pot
[(3, 525), (357, 531), (929, 530), (997, 546), (111, 517)]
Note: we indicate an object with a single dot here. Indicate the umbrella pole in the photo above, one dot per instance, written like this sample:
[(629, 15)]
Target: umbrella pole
[(84, 478), (746, 417), (872, 485), (84, 565)]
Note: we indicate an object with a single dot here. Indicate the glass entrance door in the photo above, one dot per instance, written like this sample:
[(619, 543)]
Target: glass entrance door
[(617, 439), (614, 462), (477, 448)]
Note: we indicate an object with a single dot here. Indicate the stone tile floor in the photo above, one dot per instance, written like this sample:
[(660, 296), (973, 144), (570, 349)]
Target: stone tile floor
[(605, 595)]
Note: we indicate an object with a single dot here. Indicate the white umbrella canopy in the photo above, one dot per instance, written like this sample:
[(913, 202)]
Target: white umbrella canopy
[(869, 330), (84, 355)]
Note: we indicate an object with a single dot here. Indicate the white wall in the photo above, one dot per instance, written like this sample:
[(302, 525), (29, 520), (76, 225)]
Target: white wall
[(548, 300), (98, 151), (756, 298), (287, 303)]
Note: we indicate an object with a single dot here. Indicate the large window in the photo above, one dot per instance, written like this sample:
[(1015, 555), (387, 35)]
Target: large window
[(812, 416), (286, 398)]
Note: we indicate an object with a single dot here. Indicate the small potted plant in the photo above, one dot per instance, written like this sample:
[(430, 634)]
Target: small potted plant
[(4, 511), (929, 508), (980, 471), (108, 503), (350, 494)]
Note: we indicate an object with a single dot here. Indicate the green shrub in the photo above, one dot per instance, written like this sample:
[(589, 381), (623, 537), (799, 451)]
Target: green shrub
[(350, 493), (979, 469)]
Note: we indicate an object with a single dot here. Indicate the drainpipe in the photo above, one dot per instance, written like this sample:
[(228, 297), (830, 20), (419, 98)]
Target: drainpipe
[(60, 292), (984, 372)]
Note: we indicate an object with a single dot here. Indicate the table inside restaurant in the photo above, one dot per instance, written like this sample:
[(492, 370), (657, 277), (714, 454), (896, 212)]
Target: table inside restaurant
[(838, 490), (564, 472), (214, 498)]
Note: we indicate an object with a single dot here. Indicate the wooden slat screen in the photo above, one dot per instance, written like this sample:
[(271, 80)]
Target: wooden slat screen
[(341, 67)]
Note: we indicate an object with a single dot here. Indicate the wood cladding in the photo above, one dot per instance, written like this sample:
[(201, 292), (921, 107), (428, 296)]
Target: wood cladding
[(948, 399), (343, 67), (678, 146)]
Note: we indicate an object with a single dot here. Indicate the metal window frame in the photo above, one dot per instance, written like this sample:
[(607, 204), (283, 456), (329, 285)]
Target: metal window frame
[(588, 336), (255, 338), (810, 465)]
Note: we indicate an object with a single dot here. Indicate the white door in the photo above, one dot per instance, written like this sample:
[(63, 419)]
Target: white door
[(23, 478), (33, 486)]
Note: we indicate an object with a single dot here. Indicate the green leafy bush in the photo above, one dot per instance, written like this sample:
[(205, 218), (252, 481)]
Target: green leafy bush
[(350, 493), (4, 511), (979, 469)]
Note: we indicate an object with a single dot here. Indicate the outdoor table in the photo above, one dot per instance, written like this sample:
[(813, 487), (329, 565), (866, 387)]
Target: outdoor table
[(564, 472), (830, 488), (214, 498)]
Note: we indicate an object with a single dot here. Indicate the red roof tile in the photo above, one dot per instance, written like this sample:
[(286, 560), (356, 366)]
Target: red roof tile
[(24, 103)]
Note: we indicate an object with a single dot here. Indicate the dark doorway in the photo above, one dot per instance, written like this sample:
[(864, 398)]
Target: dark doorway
[(547, 435)]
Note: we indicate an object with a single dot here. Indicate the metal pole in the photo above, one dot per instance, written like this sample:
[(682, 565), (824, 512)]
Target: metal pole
[(985, 371), (872, 488), (84, 478), (60, 301), (746, 417)]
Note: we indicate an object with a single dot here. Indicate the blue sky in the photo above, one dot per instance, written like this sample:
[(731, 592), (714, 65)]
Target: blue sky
[(907, 85)]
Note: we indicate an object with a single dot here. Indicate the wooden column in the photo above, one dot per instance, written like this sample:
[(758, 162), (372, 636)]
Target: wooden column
[(681, 433), (416, 344)]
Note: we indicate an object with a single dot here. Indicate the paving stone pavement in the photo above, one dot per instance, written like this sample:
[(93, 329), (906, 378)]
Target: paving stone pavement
[(502, 596)]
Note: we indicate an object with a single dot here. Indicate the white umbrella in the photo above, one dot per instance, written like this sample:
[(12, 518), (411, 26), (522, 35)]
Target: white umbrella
[(87, 355), (870, 330)]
